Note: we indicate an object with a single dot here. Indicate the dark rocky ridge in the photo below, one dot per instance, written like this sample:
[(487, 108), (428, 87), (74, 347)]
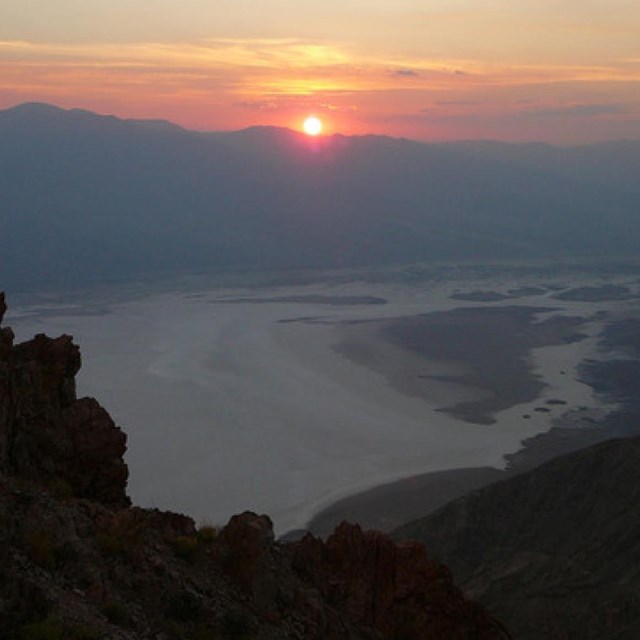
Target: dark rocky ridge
[(555, 552), (77, 562), (46, 433)]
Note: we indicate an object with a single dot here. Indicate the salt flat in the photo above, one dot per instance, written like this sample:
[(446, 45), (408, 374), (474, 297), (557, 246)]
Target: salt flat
[(233, 405)]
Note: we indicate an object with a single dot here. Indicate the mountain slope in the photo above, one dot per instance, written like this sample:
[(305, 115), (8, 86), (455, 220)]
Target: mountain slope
[(554, 552), (91, 197)]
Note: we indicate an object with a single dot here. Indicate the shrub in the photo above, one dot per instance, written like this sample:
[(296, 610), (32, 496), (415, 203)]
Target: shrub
[(40, 548), (61, 489), (123, 534), (111, 544), (49, 629), (185, 547), (184, 607), (82, 632), (203, 632), (115, 613), (207, 534), (65, 554), (53, 629), (235, 625)]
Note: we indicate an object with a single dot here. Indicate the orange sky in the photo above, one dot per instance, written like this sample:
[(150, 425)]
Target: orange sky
[(559, 71)]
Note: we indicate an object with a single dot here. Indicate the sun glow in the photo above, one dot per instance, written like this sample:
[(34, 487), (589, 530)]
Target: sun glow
[(312, 126)]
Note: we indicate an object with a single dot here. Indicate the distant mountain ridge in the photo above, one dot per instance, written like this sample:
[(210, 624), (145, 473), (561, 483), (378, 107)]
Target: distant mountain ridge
[(88, 197)]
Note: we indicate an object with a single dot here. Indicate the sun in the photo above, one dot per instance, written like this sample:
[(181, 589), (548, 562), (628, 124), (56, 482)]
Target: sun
[(312, 126)]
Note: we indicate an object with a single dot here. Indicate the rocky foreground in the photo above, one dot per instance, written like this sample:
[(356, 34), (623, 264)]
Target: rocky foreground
[(78, 562)]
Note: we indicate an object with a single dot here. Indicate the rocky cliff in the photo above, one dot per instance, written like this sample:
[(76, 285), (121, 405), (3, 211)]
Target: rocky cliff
[(46, 433), (554, 552), (77, 562)]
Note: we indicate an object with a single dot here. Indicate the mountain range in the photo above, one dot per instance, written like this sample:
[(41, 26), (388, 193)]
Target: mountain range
[(90, 198)]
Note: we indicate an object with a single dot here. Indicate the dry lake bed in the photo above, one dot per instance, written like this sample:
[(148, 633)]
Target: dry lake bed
[(286, 394)]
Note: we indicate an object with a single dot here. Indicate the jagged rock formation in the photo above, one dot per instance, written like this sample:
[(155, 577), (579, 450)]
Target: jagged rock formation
[(78, 563), (46, 433), (395, 588), (554, 553)]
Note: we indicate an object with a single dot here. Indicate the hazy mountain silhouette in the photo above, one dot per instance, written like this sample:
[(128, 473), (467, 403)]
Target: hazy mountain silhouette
[(91, 197)]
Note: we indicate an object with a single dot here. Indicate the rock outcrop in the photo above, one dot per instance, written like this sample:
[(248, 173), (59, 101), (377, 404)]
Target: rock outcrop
[(396, 589), (79, 563), (46, 433)]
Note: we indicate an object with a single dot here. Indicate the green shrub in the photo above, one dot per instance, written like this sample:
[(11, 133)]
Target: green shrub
[(236, 625), (111, 544), (184, 607), (53, 629), (115, 613), (207, 534), (65, 554), (61, 489), (49, 629), (185, 547), (40, 547), (123, 535), (203, 632), (82, 632), (174, 630)]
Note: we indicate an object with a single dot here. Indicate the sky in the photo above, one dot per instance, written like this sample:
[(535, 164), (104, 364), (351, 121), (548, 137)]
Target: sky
[(559, 71)]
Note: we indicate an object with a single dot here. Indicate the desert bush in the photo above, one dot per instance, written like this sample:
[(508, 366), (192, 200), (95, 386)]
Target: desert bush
[(53, 629), (112, 544), (49, 629), (82, 632), (185, 547), (115, 613), (61, 489), (207, 534), (236, 625), (203, 632), (65, 554), (184, 607), (123, 533), (40, 548)]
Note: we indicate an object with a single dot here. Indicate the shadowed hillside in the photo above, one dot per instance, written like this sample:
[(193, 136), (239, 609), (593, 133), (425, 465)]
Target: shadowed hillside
[(554, 552)]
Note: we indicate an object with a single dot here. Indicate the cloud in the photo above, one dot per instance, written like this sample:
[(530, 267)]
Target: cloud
[(403, 73), (458, 103), (579, 110), (258, 105), (285, 103)]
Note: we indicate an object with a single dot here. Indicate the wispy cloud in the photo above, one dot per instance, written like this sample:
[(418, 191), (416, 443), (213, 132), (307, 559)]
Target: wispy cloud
[(228, 82), (403, 73), (578, 110), (458, 103)]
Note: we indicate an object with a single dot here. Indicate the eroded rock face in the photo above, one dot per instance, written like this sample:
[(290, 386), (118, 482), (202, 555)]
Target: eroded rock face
[(247, 539), (46, 433), (394, 589)]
